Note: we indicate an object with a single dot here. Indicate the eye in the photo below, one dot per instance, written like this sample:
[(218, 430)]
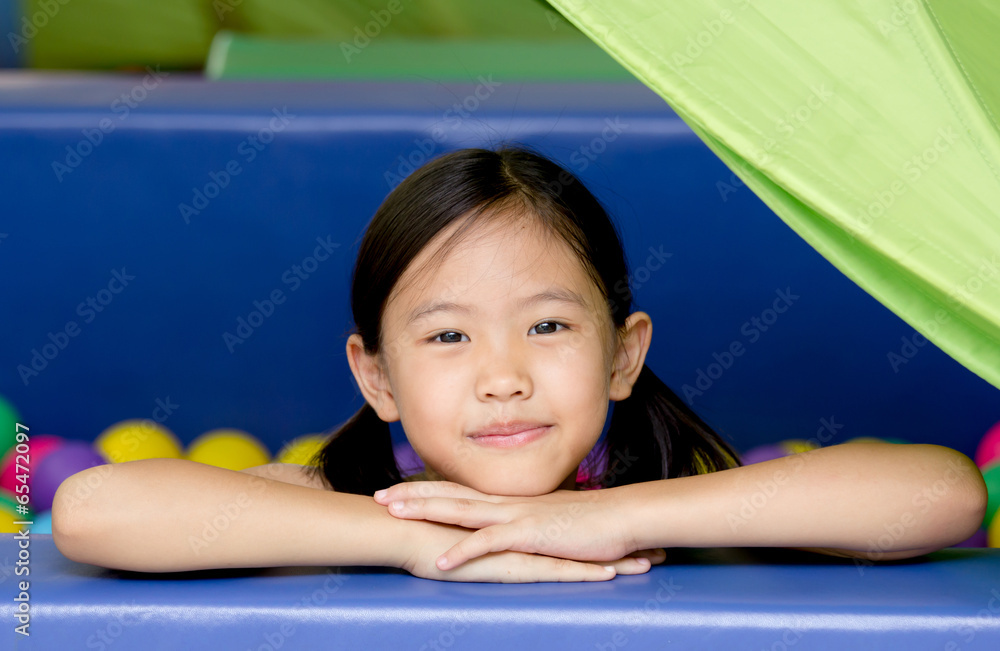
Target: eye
[(449, 337), (550, 326)]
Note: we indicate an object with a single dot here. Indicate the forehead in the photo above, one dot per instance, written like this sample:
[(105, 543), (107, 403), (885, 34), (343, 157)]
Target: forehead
[(516, 256)]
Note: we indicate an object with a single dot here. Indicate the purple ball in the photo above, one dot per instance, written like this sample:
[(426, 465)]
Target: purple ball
[(763, 453), (69, 459), (407, 459), (978, 539)]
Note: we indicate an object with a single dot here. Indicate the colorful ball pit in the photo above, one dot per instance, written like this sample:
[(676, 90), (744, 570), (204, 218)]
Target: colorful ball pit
[(763, 453), (38, 448), (988, 451), (9, 513), (302, 449), (991, 476), (54, 469), (131, 440), (228, 448), (8, 425)]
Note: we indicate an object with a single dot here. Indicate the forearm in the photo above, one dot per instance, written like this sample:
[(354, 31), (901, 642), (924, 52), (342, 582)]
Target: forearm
[(877, 500), (161, 515)]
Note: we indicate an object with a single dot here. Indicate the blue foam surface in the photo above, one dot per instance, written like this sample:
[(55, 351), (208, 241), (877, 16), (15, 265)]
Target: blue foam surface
[(701, 598)]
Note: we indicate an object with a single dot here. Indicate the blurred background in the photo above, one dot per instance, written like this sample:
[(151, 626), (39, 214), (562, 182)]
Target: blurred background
[(185, 183)]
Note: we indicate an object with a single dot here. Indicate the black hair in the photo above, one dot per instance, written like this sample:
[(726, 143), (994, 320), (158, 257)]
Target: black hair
[(653, 434)]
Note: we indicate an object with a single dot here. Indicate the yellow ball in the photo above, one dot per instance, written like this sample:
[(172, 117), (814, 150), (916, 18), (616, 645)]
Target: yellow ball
[(228, 448), (993, 533), (797, 446), (135, 439), (9, 514), (302, 449)]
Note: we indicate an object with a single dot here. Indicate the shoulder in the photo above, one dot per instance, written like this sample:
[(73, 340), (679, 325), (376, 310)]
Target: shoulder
[(290, 473)]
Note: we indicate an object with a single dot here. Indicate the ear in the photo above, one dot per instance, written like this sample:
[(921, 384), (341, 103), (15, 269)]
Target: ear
[(371, 380), (630, 355)]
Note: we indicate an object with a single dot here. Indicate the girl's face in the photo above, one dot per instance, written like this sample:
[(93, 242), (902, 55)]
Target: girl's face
[(506, 329)]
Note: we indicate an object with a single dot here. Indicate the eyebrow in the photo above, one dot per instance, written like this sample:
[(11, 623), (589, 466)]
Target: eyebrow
[(558, 295)]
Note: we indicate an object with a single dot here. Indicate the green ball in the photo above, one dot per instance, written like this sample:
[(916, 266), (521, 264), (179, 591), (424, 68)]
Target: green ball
[(991, 474), (9, 418)]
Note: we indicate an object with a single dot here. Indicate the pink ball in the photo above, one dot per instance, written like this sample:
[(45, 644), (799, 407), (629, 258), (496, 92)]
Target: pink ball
[(989, 447), (39, 447), (69, 459)]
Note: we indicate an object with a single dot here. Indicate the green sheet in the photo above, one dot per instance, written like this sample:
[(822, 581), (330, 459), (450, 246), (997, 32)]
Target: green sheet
[(240, 56), (869, 126)]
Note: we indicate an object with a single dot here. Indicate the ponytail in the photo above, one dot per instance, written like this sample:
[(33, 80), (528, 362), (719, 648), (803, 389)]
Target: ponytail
[(358, 457), (654, 435)]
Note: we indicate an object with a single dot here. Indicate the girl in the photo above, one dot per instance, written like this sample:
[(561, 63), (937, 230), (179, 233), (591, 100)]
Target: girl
[(486, 323)]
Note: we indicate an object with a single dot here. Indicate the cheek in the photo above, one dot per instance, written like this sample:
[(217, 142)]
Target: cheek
[(429, 400), (579, 368)]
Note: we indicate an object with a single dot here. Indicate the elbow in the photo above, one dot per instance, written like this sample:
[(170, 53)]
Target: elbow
[(963, 497), (78, 527), (976, 497)]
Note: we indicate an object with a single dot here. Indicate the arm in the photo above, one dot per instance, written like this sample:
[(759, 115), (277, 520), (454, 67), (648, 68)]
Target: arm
[(870, 501), (290, 473), (167, 515), (163, 515), (860, 500)]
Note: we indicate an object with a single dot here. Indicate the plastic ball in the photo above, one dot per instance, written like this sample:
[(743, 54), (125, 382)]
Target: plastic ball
[(796, 446), (993, 534), (38, 448), (978, 539), (763, 453), (302, 449), (991, 475), (9, 514), (41, 522), (9, 419), (228, 448), (407, 459), (131, 440), (71, 458), (988, 450)]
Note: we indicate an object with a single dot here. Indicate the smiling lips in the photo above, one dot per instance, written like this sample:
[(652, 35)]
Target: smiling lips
[(509, 435)]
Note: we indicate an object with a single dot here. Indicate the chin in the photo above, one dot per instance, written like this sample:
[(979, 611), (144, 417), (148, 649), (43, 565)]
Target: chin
[(516, 487)]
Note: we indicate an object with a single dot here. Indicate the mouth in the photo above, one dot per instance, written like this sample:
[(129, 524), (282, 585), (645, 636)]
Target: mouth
[(510, 436)]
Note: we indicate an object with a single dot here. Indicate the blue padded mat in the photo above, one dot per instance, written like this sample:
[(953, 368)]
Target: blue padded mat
[(702, 598)]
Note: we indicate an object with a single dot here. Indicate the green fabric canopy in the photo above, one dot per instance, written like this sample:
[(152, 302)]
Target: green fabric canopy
[(869, 126)]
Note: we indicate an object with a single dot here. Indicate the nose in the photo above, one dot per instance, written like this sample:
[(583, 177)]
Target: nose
[(503, 374)]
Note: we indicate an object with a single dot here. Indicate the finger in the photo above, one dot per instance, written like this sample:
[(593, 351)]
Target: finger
[(655, 556), (563, 570), (490, 539), (414, 489), (631, 565), (517, 567), (471, 514)]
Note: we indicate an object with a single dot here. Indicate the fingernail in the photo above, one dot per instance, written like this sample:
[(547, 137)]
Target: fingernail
[(610, 568), (399, 506), (643, 561), (442, 562), (380, 494)]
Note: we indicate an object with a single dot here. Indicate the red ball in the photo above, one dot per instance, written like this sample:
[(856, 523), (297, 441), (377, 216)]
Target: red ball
[(39, 447), (989, 447)]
